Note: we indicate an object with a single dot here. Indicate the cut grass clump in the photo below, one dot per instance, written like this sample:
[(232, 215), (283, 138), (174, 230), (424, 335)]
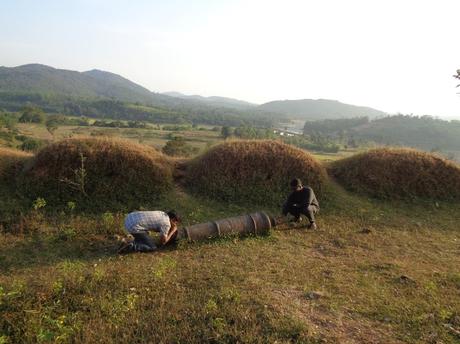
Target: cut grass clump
[(256, 171), (399, 173), (98, 174)]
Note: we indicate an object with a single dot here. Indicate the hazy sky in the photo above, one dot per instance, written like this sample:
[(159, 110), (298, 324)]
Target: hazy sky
[(396, 56)]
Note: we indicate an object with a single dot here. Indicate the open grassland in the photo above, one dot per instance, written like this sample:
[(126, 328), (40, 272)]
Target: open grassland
[(376, 271)]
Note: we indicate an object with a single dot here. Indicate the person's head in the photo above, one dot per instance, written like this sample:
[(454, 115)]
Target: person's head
[(174, 218), (296, 184)]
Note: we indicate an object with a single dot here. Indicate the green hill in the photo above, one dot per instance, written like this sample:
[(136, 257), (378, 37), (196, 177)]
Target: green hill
[(41, 79), (311, 109), (424, 132), (100, 94)]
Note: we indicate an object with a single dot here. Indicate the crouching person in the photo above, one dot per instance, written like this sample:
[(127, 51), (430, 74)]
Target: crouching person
[(140, 223), (301, 200)]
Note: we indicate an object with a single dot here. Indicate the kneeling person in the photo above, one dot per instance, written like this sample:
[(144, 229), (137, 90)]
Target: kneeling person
[(139, 223), (301, 200)]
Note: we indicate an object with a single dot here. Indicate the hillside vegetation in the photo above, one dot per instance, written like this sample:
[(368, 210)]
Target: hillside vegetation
[(424, 132), (399, 173)]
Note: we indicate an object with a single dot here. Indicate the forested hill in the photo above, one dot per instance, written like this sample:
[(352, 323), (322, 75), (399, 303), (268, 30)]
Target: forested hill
[(96, 84), (424, 132), (41, 79), (310, 109), (102, 94)]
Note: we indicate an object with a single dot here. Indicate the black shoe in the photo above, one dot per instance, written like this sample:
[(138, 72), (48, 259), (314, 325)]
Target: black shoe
[(126, 248)]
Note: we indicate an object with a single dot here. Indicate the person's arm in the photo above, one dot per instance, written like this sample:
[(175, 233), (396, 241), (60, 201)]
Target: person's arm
[(310, 197), (290, 199), (164, 238)]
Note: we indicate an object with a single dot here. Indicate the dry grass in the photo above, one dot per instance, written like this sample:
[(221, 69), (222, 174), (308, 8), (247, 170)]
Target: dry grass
[(399, 173), (11, 161), (253, 171), (66, 284), (99, 172)]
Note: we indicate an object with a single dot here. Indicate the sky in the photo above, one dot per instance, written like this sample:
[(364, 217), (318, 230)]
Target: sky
[(396, 56)]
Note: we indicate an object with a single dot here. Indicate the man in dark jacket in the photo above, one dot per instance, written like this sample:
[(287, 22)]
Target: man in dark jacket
[(302, 200)]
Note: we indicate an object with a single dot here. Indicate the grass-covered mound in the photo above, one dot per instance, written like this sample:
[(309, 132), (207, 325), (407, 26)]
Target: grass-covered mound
[(253, 171), (399, 173), (11, 163), (98, 174), (11, 160)]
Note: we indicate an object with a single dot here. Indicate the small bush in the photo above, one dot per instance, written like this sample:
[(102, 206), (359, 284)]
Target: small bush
[(399, 173), (31, 144), (98, 174), (257, 171)]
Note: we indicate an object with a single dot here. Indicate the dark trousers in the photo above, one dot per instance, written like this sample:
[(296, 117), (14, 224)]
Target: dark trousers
[(296, 211), (143, 242)]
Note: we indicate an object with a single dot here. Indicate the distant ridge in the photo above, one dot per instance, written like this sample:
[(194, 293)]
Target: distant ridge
[(311, 109), (214, 100)]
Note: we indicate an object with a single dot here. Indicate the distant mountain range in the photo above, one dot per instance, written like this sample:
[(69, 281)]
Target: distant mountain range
[(214, 100), (23, 83)]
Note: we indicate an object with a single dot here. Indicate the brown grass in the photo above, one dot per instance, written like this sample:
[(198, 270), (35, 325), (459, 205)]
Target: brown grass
[(11, 160), (119, 173), (399, 173), (253, 171)]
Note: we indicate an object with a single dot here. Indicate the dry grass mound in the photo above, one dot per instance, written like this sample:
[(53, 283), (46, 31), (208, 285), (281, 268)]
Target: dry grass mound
[(399, 173), (253, 171), (101, 173), (11, 161)]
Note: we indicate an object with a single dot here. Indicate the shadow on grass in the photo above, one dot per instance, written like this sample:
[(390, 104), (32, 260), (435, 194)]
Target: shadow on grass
[(39, 251), (48, 250)]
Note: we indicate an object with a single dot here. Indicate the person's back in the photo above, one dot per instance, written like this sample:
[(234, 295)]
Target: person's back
[(156, 220), (139, 223)]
